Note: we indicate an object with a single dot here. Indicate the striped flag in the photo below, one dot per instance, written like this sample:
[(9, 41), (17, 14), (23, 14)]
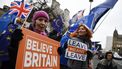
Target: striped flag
[(20, 9)]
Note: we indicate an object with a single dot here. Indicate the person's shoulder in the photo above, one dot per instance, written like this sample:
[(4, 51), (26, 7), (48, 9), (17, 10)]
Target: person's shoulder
[(113, 62), (102, 61)]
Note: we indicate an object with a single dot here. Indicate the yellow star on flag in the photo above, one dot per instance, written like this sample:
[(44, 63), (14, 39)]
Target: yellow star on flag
[(10, 30), (8, 38)]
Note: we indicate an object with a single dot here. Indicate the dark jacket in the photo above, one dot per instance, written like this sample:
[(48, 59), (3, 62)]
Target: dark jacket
[(16, 36), (105, 64)]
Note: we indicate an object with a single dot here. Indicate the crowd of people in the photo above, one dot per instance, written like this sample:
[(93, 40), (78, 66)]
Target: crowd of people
[(39, 24)]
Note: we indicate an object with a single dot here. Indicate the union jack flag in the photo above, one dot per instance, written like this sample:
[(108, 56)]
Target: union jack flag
[(20, 9)]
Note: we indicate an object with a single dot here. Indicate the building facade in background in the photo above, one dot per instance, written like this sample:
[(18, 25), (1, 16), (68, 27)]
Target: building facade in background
[(109, 41), (117, 42)]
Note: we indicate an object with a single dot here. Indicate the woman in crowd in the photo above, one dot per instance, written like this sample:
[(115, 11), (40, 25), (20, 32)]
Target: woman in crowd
[(39, 24), (83, 35), (40, 20)]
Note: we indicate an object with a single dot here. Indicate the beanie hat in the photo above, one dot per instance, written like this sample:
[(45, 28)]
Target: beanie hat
[(38, 14)]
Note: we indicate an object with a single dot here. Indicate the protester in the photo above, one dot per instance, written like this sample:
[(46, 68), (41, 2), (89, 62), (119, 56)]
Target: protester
[(82, 34), (107, 62), (40, 20)]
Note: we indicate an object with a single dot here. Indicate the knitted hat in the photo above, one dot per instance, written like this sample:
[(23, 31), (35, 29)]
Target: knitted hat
[(38, 14)]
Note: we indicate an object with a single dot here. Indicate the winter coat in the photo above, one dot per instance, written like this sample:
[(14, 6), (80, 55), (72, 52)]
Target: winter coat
[(105, 64)]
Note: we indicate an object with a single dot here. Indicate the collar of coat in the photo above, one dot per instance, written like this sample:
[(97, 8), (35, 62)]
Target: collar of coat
[(105, 61)]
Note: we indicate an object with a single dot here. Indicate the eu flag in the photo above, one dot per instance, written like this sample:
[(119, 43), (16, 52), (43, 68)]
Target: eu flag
[(6, 25), (57, 24), (97, 12), (5, 20), (5, 41), (94, 16)]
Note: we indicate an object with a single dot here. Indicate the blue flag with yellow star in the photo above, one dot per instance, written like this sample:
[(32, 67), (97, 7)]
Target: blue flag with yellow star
[(5, 41), (6, 28), (57, 24), (5, 20), (94, 16)]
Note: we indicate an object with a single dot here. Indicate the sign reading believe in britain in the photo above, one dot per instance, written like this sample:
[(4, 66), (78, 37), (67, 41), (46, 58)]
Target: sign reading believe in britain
[(37, 52)]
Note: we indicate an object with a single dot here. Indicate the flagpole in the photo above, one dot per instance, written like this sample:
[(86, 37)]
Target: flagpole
[(102, 21), (90, 4), (29, 14), (26, 18)]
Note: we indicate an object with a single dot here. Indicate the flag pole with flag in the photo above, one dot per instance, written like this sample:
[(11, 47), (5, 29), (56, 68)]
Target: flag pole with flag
[(98, 12), (26, 19), (20, 9), (90, 3), (95, 15), (5, 20), (57, 24), (30, 10), (76, 17)]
